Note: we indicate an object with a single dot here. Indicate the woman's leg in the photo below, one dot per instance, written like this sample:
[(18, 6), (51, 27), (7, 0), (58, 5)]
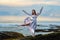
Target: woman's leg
[(32, 31)]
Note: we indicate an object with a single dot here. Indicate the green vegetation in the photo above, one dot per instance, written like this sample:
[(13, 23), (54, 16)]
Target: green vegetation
[(19, 36), (52, 36), (10, 36)]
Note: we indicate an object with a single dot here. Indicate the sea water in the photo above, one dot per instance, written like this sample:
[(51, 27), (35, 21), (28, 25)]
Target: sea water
[(15, 27)]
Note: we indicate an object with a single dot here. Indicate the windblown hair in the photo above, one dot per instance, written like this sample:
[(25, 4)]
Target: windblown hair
[(34, 12)]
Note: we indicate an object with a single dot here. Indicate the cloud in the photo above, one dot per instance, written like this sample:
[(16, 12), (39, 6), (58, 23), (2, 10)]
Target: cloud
[(53, 3), (28, 2), (49, 19), (12, 18), (21, 19), (56, 15)]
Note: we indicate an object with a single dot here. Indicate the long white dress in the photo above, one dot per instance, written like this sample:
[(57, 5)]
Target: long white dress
[(33, 24)]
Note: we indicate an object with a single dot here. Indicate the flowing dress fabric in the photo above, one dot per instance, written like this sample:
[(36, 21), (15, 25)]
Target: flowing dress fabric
[(27, 20), (33, 25)]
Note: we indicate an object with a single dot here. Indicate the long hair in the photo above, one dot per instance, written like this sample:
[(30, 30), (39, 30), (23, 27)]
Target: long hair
[(34, 12)]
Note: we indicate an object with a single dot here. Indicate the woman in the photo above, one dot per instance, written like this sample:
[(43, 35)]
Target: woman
[(33, 23)]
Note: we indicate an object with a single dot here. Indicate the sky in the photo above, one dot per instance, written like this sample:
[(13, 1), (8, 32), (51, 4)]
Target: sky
[(11, 10), (28, 2)]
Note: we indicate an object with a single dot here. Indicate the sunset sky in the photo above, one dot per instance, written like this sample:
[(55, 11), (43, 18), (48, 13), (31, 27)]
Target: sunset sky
[(11, 10), (28, 2)]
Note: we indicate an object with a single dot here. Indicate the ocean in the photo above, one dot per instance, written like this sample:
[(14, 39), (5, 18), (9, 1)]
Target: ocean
[(15, 27)]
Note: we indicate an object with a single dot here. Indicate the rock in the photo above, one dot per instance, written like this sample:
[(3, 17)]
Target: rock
[(10, 35), (52, 36)]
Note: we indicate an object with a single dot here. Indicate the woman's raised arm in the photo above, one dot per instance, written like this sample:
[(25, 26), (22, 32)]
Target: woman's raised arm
[(26, 13), (40, 11)]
